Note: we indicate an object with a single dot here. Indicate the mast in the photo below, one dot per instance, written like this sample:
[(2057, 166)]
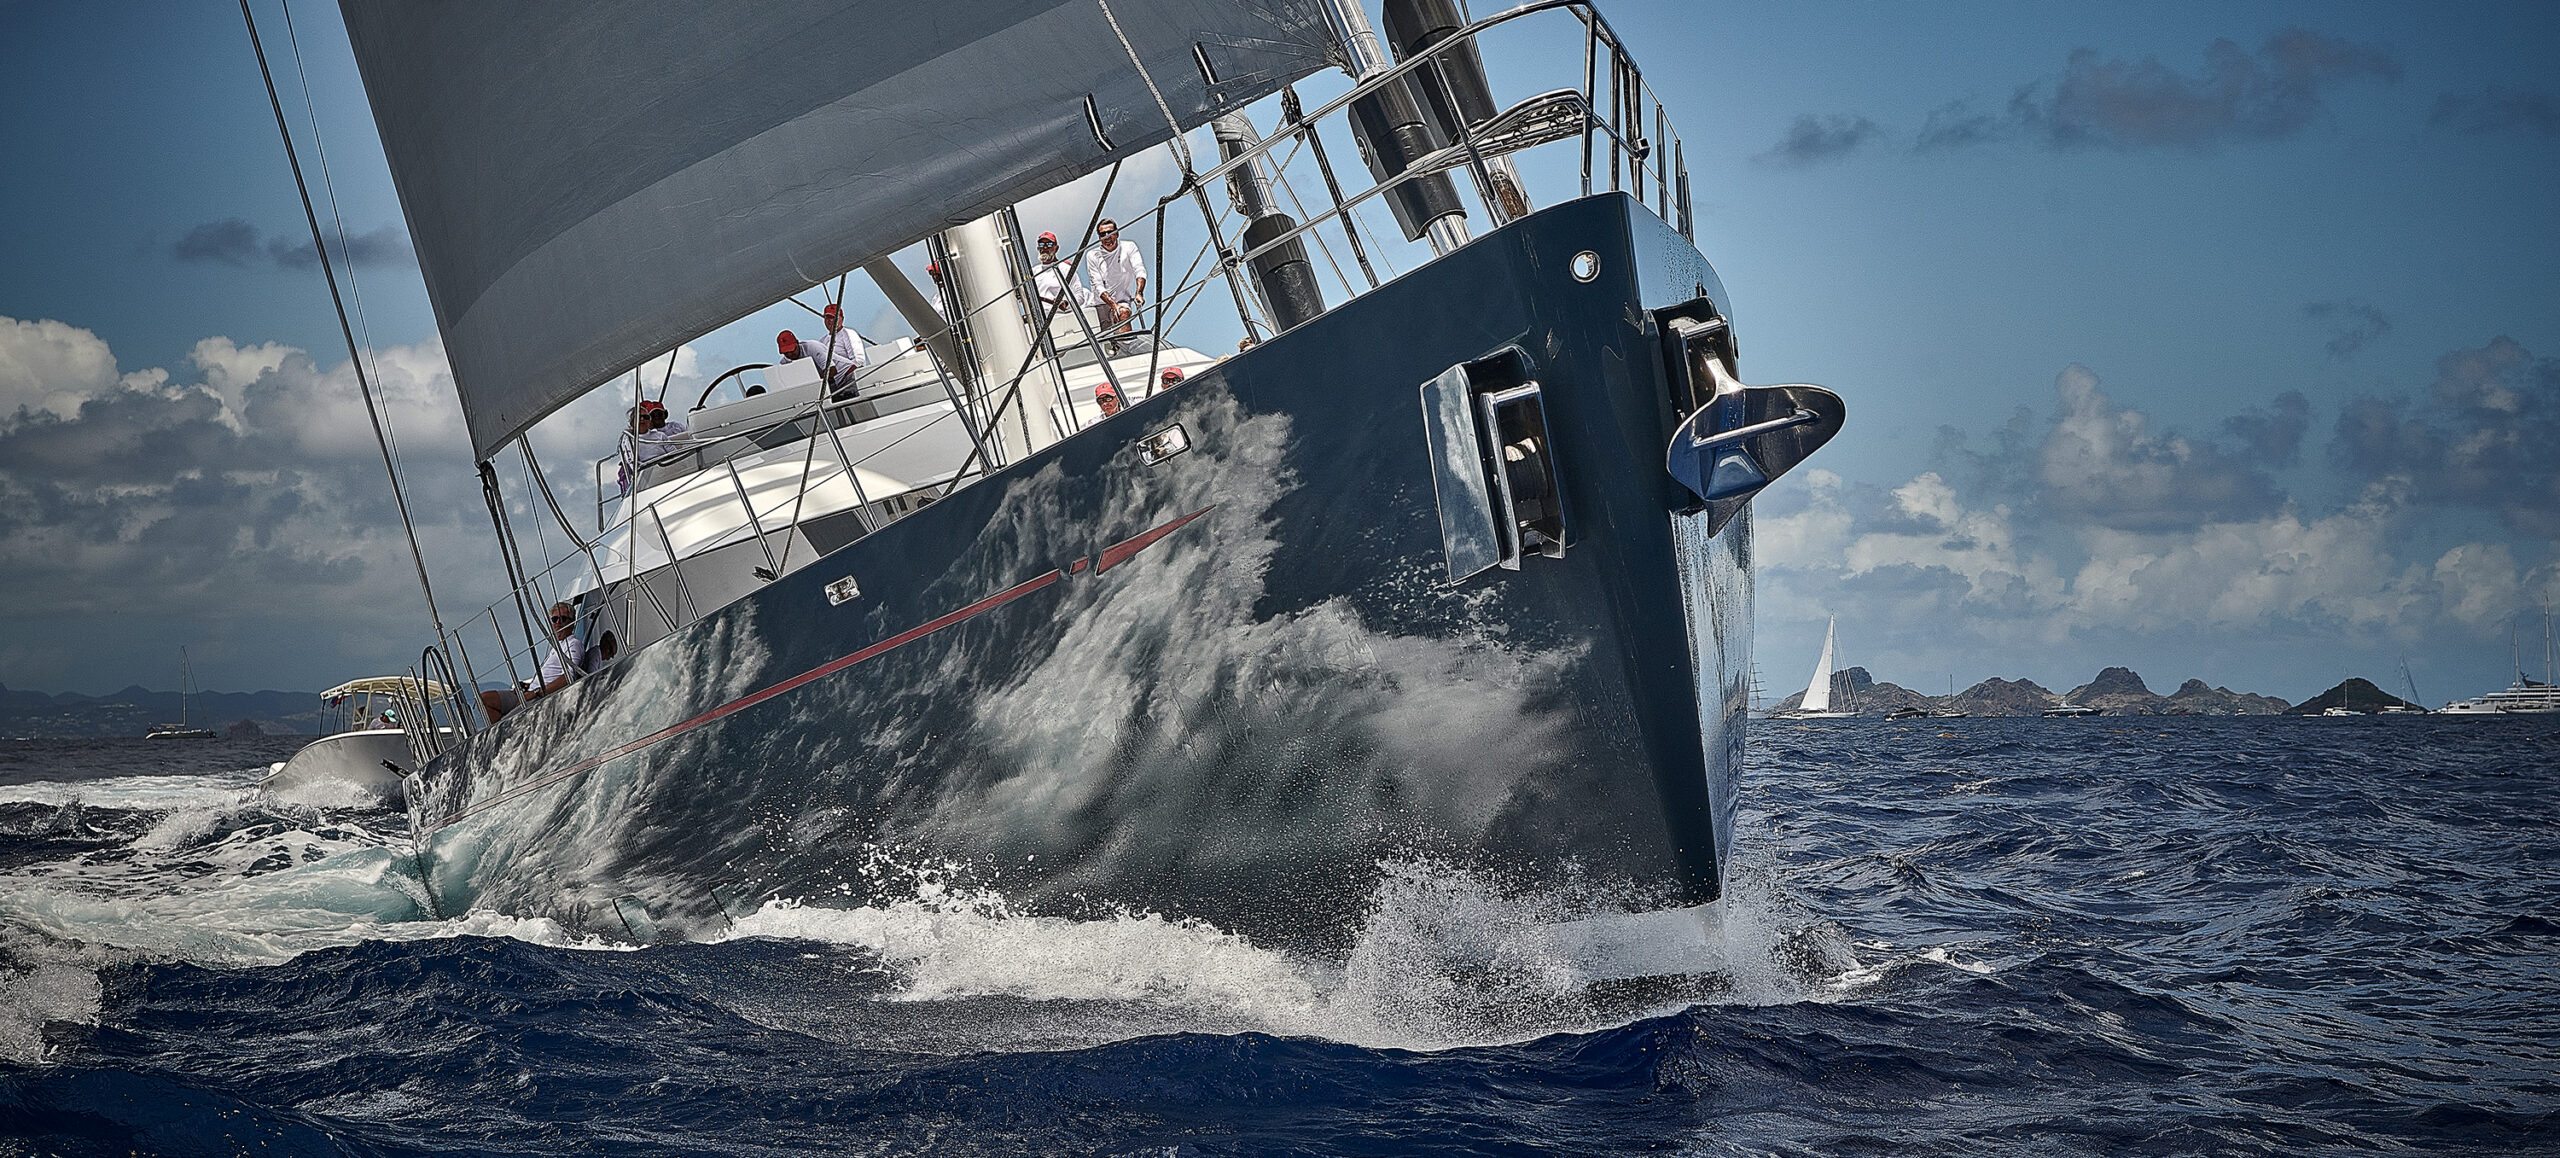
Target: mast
[(1817, 691), (994, 310)]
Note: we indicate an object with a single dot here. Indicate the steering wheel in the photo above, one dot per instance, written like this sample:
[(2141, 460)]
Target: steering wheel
[(705, 400)]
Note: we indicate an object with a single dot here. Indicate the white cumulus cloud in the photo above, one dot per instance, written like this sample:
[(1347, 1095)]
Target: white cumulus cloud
[(2122, 531)]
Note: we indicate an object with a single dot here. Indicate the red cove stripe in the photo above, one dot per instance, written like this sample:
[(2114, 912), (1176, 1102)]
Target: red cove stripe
[(1116, 553), (1119, 552)]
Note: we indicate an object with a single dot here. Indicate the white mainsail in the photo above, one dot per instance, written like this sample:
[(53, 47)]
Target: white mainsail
[(1817, 693)]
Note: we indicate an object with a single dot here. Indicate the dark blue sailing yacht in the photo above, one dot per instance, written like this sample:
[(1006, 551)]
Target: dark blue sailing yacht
[(1453, 570)]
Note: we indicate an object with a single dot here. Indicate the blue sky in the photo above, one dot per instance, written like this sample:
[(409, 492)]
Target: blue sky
[(2217, 340)]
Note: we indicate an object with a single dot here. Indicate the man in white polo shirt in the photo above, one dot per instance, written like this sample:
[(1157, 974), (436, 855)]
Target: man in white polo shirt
[(1119, 275)]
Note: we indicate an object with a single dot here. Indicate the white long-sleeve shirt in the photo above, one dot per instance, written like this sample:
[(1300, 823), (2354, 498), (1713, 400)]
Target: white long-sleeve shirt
[(662, 441), (838, 353), (1055, 283), (1116, 272)]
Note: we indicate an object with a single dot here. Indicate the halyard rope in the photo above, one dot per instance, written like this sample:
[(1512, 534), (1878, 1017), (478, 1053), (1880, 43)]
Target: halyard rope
[(355, 356)]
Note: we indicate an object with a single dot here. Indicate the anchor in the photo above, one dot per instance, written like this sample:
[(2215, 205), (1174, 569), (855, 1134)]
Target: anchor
[(1741, 438)]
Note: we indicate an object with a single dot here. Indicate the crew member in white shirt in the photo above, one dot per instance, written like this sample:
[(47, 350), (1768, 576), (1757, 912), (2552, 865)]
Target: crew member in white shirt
[(1119, 275), (566, 657), (838, 354), (1056, 283), (662, 436)]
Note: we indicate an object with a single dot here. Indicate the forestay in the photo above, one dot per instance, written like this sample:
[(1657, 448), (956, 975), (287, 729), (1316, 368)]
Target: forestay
[(588, 183)]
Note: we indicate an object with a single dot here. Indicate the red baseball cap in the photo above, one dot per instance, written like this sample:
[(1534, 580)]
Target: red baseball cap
[(787, 342), (1171, 374), (834, 310), (1049, 237), (1105, 391)]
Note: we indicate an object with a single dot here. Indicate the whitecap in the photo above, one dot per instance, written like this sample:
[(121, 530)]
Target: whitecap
[(1444, 960)]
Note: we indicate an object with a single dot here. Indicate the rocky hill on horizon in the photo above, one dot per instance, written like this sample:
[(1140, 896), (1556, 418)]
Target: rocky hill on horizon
[(2355, 695), (132, 711), (2116, 691)]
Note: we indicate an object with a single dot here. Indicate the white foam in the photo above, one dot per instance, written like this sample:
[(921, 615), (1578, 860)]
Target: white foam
[(950, 952), (184, 827), (48, 991), (153, 793), (1443, 961), (238, 881), (226, 919), (1895, 960)]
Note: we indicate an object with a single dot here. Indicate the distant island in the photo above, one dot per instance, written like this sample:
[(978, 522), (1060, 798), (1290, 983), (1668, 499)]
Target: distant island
[(131, 712), (2117, 691)]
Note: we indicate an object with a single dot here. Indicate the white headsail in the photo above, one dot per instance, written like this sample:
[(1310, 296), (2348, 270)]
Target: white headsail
[(590, 183), (1817, 694)]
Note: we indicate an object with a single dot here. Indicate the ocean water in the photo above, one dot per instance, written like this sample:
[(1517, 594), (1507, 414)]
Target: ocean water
[(2105, 936)]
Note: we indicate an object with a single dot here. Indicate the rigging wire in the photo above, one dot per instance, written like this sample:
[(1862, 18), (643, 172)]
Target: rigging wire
[(364, 384), (1190, 182), (338, 220), (1181, 148), (1013, 390), (541, 540)]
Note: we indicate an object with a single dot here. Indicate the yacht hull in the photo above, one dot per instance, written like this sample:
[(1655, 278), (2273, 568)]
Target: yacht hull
[(1237, 685)]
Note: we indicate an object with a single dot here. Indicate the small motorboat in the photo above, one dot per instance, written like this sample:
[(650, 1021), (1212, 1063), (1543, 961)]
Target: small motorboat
[(365, 760)]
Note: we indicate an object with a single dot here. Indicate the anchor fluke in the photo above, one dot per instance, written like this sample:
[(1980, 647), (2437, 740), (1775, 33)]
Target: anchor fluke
[(1742, 438)]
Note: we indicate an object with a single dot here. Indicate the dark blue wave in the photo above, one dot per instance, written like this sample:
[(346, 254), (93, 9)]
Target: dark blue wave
[(2048, 937)]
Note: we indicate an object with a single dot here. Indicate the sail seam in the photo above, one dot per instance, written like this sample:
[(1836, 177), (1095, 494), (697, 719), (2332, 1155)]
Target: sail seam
[(1181, 148)]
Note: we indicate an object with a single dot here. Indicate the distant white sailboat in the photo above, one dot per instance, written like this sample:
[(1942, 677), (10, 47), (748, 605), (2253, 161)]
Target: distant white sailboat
[(1816, 704), (1951, 711), (2410, 706), (186, 690)]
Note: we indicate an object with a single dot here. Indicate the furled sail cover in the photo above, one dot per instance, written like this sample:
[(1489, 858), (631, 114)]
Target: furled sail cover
[(589, 184)]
